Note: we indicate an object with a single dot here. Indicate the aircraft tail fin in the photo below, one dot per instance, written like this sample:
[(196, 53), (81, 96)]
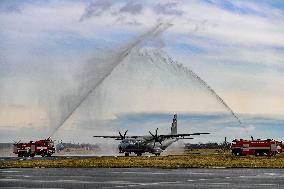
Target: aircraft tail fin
[(174, 125)]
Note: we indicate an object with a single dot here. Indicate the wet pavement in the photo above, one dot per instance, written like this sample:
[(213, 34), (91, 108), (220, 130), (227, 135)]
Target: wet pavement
[(140, 178)]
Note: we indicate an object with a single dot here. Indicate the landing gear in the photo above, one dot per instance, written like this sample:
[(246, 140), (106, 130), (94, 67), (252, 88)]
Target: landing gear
[(157, 154), (139, 154), (120, 149), (126, 154)]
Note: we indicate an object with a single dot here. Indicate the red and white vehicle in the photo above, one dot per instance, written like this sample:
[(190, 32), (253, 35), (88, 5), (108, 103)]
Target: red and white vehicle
[(256, 147), (41, 147)]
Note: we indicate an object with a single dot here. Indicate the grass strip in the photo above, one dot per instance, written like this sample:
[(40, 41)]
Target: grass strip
[(181, 161)]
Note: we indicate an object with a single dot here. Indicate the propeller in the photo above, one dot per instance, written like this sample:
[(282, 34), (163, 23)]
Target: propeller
[(156, 138), (122, 136)]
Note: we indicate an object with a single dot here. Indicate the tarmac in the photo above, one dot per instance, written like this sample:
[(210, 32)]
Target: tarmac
[(140, 178)]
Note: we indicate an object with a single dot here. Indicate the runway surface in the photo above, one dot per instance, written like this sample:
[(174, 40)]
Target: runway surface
[(141, 178), (3, 159)]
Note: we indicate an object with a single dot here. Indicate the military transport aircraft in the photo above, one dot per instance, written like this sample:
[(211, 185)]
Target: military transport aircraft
[(152, 143)]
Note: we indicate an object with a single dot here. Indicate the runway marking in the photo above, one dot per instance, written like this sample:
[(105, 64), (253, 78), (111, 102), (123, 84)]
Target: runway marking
[(16, 187), (245, 176), (174, 182), (54, 181), (271, 174), (118, 182), (219, 183), (203, 179), (201, 173), (11, 171), (265, 184), (144, 184), (158, 173), (141, 173), (8, 179)]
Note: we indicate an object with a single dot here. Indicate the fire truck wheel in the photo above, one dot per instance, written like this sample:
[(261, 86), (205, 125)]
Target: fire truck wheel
[(25, 154), (32, 155), (43, 153), (261, 153), (48, 155), (237, 153), (20, 154)]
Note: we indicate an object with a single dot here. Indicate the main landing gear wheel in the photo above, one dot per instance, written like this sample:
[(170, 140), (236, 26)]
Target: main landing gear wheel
[(126, 154)]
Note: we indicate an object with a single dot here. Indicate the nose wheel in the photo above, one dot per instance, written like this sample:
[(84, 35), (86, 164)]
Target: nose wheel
[(126, 154)]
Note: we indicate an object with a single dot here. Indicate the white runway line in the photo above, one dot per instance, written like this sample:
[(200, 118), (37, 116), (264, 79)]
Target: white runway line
[(265, 185), (10, 171), (219, 183), (204, 179), (201, 173)]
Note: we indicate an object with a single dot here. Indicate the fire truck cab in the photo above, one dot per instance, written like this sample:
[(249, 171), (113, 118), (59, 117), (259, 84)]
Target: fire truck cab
[(41, 147), (256, 147)]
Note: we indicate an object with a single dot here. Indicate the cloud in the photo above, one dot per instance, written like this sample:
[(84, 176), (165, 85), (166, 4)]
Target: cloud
[(123, 20), (168, 9), (132, 8), (97, 8)]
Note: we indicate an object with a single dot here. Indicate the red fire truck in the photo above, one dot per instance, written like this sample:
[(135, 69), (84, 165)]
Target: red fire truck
[(256, 147), (41, 147)]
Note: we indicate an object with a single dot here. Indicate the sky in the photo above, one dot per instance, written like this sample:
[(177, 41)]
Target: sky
[(51, 52)]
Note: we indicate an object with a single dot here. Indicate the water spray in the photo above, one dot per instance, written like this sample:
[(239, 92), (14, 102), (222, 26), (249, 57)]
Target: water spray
[(119, 57), (191, 74), (207, 87)]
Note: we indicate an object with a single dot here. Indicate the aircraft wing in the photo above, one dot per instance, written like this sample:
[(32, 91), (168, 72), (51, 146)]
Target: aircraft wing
[(182, 135), (107, 136), (116, 137)]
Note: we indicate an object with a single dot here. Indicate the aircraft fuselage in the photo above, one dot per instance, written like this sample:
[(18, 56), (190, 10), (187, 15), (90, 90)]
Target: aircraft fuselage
[(139, 146)]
